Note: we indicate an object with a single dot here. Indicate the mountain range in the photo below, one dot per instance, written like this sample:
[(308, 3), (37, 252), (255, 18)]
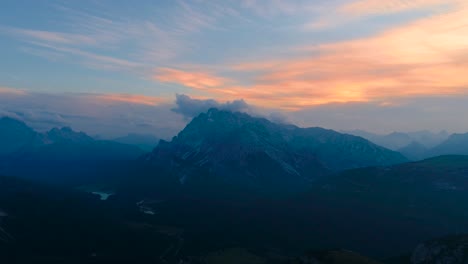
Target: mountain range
[(228, 187), (419, 145), (244, 150), (398, 140), (145, 142), (20, 141)]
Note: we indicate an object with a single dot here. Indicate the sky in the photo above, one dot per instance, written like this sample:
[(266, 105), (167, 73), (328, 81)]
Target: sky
[(111, 67)]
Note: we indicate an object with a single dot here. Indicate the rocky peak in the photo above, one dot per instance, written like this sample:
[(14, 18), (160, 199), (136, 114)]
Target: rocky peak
[(67, 135)]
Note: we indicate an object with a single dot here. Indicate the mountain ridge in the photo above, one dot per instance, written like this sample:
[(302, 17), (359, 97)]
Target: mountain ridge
[(220, 142)]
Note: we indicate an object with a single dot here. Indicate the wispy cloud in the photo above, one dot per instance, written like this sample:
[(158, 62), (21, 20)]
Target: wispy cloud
[(129, 98), (105, 114), (197, 80), (11, 91), (358, 9), (375, 7), (271, 8), (118, 43), (426, 57)]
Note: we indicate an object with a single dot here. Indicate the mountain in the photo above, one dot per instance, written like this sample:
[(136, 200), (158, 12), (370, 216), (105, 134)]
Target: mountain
[(20, 141), (58, 154), (254, 152), (422, 199), (14, 135), (456, 144), (399, 140), (414, 151), (429, 139), (145, 142), (66, 135), (66, 144)]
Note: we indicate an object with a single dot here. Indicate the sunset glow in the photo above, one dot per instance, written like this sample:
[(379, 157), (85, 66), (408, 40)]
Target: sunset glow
[(284, 55)]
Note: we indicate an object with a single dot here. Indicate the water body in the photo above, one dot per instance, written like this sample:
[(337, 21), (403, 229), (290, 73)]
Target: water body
[(103, 195)]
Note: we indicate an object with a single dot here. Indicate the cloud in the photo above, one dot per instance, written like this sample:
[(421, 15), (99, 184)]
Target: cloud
[(129, 98), (426, 57), (190, 107), (108, 115), (89, 36), (50, 36), (197, 80), (98, 114), (6, 91), (279, 118), (412, 114), (376, 7), (351, 11)]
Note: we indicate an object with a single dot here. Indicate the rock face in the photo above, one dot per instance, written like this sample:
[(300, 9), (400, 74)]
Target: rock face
[(450, 250), (255, 152)]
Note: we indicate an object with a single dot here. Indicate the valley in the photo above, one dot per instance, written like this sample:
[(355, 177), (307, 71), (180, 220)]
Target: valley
[(269, 196)]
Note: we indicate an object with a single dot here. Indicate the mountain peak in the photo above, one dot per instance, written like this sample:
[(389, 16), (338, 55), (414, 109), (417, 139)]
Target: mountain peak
[(9, 121), (66, 134), (238, 147)]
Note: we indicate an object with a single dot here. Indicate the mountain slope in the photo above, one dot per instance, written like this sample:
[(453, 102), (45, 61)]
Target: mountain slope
[(14, 135), (18, 141), (340, 151), (456, 144), (398, 140), (57, 155), (420, 199), (145, 142), (414, 151), (254, 152)]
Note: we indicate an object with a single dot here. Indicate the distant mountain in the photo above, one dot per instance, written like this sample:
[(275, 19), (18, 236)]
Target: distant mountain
[(14, 135), (66, 144), (240, 149), (456, 144), (144, 141), (20, 141), (429, 139), (414, 151), (399, 140), (66, 135), (57, 154)]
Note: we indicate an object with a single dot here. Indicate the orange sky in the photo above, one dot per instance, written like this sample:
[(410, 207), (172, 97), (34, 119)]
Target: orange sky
[(425, 57)]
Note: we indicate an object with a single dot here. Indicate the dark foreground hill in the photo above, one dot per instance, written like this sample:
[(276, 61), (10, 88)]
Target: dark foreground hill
[(379, 212)]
